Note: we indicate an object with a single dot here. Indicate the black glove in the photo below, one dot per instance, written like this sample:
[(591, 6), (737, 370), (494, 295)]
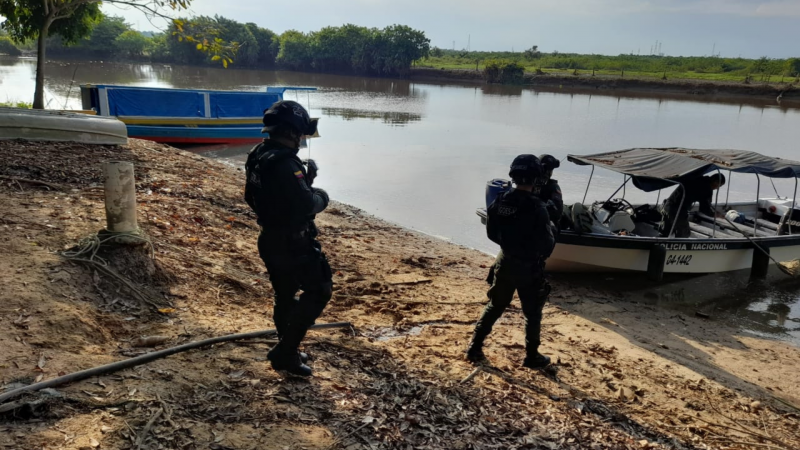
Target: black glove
[(311, 170), (322, 194)]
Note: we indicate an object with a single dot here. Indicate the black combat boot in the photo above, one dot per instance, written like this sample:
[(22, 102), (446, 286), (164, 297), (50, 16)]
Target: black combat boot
[(303, 356), (475, 350), (290, 362), (536, 360)]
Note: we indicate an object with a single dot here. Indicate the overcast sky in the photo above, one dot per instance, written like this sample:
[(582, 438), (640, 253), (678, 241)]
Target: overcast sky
[(750, 28)]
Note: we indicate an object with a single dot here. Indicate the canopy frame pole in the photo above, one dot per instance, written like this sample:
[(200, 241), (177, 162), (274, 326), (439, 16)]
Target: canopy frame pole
[(716, 205), (775, 188), (619, 189), (587, 187), (680, 207), (658, 199), (758, 194), (624, 183), (794, 202), (728, 194)]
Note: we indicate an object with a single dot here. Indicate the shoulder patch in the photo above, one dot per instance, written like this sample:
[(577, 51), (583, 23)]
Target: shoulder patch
[(299, 174)]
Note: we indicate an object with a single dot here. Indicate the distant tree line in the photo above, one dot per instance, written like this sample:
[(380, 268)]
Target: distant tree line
[(346, 49)]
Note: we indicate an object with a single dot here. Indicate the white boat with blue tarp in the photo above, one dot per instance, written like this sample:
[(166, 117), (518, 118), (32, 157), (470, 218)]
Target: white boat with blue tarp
[(618, 236), (185, 116)]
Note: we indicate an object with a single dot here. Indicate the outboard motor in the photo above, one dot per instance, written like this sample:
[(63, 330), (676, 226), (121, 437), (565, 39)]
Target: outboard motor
[(494, 188)]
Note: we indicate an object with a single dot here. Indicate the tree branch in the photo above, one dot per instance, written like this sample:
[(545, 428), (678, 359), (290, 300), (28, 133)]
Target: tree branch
[(70, 7), (140, 7)]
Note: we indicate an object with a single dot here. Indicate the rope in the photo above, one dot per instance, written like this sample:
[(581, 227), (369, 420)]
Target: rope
[(86, 252), (90, 245)]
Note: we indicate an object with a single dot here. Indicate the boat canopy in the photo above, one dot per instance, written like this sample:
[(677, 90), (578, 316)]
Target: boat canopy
[(657, 168)]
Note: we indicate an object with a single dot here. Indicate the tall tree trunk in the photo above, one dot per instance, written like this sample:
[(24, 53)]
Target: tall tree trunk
[(41, 59)]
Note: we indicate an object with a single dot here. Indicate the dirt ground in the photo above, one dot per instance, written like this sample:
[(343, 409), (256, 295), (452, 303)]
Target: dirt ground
[(626, 375)]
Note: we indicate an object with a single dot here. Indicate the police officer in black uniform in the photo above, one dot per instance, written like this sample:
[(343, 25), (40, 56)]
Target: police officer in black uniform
[(676, 207), (519, 222), (550, 193), (279, 189)]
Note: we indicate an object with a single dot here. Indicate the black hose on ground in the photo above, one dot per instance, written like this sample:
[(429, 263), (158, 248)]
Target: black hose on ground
[(144, 359)]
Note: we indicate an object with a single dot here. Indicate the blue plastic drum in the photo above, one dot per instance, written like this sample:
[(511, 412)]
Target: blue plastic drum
[(495, 188)]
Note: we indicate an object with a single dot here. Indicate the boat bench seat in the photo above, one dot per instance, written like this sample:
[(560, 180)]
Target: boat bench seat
[(766, 224), (707, 232), (735, 229)]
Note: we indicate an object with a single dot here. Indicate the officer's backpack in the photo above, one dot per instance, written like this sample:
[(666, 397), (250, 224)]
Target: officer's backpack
[(492, 225)]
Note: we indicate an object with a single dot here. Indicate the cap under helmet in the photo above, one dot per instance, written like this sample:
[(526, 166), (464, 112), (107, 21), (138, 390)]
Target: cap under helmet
[(287, 113), (526, 169)]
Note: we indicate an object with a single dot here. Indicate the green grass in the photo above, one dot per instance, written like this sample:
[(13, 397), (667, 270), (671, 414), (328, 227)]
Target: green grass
[(710, 69), (16, 104)]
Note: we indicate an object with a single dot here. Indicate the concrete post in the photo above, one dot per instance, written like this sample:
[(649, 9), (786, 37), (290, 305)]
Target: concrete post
[(120, 190)]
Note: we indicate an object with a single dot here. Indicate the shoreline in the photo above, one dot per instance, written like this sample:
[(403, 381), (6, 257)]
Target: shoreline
[(629, 375), (699, 90), (707, 91)]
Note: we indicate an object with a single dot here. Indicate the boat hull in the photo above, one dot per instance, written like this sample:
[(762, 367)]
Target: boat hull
[(61, 126), (585, 254), (591, 252), (197, 135)]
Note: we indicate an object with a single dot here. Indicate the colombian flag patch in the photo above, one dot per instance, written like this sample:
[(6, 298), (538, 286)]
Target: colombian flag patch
[(298, 174)]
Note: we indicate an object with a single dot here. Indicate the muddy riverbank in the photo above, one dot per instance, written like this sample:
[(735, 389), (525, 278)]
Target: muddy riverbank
[(627, 375), (787, 94)]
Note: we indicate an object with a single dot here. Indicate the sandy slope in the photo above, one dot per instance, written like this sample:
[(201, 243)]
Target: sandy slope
[(628, 375)]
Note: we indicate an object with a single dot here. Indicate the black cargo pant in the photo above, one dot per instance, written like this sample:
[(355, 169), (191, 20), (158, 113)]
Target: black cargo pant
[(527, 279), (680, 219), (295, 263)]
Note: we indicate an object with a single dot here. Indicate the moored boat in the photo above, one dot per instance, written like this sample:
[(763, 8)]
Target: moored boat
[(60, 126), (185, 116), (619, 236)]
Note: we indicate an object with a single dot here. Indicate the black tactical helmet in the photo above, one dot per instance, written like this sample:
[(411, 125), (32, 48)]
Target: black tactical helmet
[(549, 162), (526, 169), (287, 113)]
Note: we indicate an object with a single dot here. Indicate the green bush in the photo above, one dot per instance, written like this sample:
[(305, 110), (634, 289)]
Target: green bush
[(7, 47), (503, 71)]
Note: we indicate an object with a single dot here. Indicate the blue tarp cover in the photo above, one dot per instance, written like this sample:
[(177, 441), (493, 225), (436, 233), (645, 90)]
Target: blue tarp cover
[(244, 104), (148, 102), (652, 167), (155, 103)]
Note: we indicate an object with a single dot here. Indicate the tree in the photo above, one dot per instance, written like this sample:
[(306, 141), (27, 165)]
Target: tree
[(402, 45), (295, 50), (793, 67), (36, 19), (158, 48), (101, 41), (74, 19), (131, 43), (232, 31), (532, 53), (268, 44)]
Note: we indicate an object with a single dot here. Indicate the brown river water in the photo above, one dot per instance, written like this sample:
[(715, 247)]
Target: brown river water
[(419, 154)]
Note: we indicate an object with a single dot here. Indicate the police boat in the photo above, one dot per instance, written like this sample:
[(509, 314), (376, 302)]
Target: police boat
[(615, 235)]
